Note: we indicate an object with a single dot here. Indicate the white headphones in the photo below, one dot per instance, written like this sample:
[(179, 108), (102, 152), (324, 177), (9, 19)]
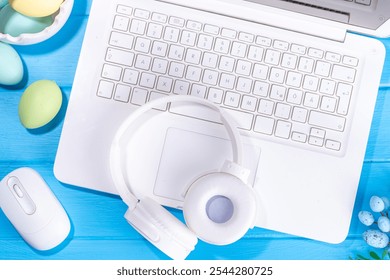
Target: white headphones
[(219, 207)]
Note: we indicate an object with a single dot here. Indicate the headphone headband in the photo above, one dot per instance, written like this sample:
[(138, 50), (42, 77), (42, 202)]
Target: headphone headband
[(115, 153)]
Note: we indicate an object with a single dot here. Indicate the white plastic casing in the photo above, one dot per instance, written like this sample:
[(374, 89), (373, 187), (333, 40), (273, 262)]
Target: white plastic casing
[(32, 208)]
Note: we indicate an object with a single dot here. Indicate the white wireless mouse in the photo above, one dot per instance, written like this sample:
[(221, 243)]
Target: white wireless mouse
[(33, 209)]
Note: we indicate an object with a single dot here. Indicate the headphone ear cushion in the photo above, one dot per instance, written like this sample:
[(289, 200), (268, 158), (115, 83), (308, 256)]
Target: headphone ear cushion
[(219, 208), (162, 229)]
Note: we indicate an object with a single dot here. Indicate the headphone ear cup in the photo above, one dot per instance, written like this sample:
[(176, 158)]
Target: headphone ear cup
[(219, 208), (162, 229)]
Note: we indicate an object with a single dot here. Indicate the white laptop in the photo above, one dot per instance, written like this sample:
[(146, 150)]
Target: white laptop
[(296, 76)]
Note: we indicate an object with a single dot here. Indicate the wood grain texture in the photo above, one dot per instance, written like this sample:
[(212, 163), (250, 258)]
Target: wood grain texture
[(98, 228)]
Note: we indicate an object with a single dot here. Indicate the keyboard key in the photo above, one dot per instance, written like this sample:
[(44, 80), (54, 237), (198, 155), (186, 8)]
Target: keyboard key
[(232, 99), (139, 13), (105, 89), (264, 41), (111, 72), (243, 68), (125, 10), (222, 45), (159, 48), (299, 114), (176, 52), (316, 53), (188, 38), (161, 18), (130, 76), (351, 61), (122, 93), (283, 129), (194, 25), (229, 33), (176, 21), (212, 29), (121, 40), (171, 34), (298, 137), (315, 141), (198, 90), (266, 107), (333, 145), (261, 88), (343, 73), (143, 62), (142, 45), (147, 80), (138, 27), (327, 121), (344, 92), (121, 23), (246, 37), (176, 69), (298, 49), (278, 92), (160, 66), (193, 56), (205, 42), (156, 95), (264, 125), (139, 96), (210, 60), (333, 57), (249, 103), (154, 30), (215, 95), (282, 111), (294, 96), (272, 57), (164, 84), (243, 120), (255, 53), (119, 57), (281, 45), (227, 81), (181, 87)]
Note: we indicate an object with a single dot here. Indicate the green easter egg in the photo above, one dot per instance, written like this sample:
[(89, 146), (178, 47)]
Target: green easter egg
[(15, 24), (11, 66), (39, 104)]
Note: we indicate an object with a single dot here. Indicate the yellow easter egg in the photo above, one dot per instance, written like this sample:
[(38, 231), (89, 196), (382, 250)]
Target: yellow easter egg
[(36, 8)]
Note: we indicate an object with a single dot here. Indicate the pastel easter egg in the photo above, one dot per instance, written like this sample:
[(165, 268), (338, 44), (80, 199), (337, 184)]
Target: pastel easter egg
[(366, 218), (39, 104), (3, 3), (377, 204), (376, 239), (384, 224), (14, 23), (11, 66), (36, 8)]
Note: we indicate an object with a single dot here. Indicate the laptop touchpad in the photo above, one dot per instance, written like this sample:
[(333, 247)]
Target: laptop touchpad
[(187, 155)]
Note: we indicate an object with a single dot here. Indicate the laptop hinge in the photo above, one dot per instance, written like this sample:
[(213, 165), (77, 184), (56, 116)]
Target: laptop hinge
[(265, 15)]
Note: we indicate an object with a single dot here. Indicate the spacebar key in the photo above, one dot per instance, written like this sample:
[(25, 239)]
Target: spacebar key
[(243, 120), (327, 121)]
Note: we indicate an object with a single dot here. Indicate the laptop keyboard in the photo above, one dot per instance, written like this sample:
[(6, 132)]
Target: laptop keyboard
[(275, 90)]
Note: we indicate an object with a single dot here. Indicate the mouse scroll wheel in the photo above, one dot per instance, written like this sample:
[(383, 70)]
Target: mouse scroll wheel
[(18, 191), (21, 196)]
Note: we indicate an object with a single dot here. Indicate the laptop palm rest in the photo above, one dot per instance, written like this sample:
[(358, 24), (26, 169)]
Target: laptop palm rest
[(187, 155)]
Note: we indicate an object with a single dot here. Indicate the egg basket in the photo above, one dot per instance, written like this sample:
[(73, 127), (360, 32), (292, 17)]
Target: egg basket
[(60, 19)]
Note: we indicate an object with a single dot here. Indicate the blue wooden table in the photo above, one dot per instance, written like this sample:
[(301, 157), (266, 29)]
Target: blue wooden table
[(99, 230)]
